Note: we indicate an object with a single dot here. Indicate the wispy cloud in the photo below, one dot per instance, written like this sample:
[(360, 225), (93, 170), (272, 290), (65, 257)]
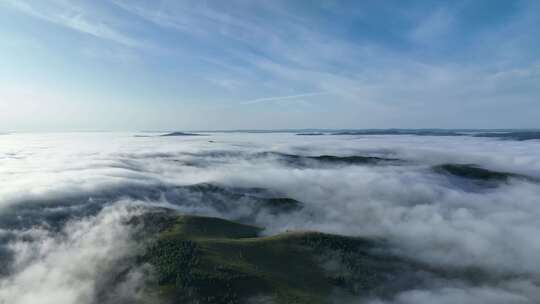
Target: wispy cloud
[(434, 62), (435, 26), (74, 17), (279, 98)]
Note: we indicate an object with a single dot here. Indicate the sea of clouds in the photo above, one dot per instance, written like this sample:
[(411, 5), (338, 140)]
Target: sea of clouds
[(65, 199)]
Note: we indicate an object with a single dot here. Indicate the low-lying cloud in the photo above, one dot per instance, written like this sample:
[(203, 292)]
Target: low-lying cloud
[(81, 263), (65, 198)]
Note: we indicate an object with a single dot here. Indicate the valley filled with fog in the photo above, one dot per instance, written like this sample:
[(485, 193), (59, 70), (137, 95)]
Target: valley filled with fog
[(465, 208)]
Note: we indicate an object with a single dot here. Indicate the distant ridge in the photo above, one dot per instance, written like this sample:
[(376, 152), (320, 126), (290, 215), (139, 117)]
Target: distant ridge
[(311, 134), (515, 135), (183, 134), (506, 134)]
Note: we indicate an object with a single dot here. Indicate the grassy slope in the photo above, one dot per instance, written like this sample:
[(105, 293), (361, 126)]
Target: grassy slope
[(217, 261), (211, 260)]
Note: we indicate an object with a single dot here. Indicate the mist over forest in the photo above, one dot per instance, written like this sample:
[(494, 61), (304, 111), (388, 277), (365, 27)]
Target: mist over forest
[(94, 218)]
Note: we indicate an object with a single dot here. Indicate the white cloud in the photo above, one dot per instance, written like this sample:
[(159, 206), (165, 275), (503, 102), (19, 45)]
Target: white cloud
[(72, 266), (458, 295), (425, 216), (69, 15), (433, 27), (279, 98)]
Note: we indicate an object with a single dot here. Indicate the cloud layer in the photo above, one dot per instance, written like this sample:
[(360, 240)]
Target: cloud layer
[(65, 199)]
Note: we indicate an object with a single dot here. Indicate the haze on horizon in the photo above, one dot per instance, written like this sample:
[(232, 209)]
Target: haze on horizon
[(181, 65)]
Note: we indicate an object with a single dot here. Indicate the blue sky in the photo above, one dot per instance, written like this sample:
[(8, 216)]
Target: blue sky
[(181, 65)]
